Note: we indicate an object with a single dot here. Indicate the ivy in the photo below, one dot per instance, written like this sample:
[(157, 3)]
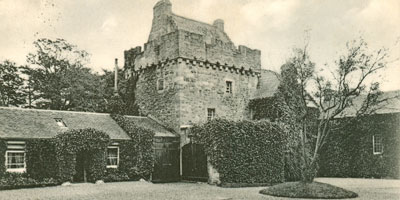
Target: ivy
[(349, 150), (243, 152), (90, 142), (137, 154), (41, 161), (3, 148)]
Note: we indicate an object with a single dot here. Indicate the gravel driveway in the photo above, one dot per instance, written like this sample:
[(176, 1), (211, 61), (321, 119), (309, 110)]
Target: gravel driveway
[(366, 188)]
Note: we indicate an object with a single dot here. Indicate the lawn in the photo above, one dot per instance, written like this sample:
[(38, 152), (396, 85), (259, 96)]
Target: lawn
[(366, 188)]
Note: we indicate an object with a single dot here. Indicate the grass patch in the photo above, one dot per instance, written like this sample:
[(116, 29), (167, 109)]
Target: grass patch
[(308, 190)]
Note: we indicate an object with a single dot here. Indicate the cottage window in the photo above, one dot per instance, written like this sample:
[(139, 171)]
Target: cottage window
[(160, 84), (15, 156), (60, 122), (112, 156), (229, 87), (210, 113), (377, 144)]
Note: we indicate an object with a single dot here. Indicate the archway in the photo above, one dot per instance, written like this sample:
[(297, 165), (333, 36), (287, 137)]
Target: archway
[(81, 155)]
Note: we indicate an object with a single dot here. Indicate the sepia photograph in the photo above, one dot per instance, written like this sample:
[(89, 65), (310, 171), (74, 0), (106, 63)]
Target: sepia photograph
[(199, 99)]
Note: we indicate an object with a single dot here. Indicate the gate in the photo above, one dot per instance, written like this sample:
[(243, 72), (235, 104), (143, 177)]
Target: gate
[(194, 163), (166, 164)]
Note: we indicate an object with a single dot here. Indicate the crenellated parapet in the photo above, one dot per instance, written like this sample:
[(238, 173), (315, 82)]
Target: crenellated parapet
[(195, 63)]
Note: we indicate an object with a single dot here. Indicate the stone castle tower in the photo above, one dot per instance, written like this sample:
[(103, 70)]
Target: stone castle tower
[(190, 71)]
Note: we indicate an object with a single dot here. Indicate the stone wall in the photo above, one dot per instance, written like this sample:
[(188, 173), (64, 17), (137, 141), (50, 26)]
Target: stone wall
[(162, 104), (202, 85)]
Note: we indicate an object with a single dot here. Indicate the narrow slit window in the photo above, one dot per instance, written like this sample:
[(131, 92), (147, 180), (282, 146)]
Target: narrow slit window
[(229, 87), (210, 113), (160, 84)]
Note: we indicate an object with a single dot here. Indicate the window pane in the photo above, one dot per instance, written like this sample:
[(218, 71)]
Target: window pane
[(112, 156), (15, 160)]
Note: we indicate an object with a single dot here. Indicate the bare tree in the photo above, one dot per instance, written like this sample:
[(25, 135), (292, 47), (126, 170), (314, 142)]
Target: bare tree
[(303, 89)]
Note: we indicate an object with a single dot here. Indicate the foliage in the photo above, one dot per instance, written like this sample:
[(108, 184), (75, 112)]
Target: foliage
[(243, 152), (308, 190), (11, 85), (3, 148), (302, 87), (349, 150), (58, 78), (136, 155), (115, 175), (18, 180), (124, 102), (41, 161), (89, 142)]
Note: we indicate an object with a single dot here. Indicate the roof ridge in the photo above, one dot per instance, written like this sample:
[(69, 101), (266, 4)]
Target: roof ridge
[(132, 116), (173, 14), (57, 111)]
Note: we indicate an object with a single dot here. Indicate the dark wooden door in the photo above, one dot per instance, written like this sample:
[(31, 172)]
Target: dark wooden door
[(166, 166), (194, 163)]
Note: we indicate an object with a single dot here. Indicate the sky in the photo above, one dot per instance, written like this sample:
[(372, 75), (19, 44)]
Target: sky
[(105, 28)]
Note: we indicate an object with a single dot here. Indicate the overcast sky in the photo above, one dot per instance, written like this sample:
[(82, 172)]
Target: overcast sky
[(105, 28)]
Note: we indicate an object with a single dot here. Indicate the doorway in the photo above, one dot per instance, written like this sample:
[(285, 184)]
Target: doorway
[(81, 167)]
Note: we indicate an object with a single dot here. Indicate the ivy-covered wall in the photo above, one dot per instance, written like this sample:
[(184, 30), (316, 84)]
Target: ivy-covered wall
[(243, 152), (349, 151), (41, 158), (3, 148), (136, 155)]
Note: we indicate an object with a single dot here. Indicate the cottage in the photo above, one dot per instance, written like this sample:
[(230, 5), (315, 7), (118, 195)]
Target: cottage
[(367, 148), (20, 125)]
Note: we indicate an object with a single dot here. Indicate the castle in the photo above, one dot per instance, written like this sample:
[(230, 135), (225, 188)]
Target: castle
[(190, 72)]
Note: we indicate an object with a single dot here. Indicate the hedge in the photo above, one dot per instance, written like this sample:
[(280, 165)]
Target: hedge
[(243, 152), (136, 155), (349, 151), (89, 142), (3, 148)]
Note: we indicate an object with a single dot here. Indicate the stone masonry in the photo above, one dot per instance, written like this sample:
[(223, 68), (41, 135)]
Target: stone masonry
[(185, 69)]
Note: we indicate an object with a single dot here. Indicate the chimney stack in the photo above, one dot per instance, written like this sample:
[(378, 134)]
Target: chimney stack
[(116, 77)]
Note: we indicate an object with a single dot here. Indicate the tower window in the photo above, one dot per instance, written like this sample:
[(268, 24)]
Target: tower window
[(160, 84), (229, 87), (210, 113)]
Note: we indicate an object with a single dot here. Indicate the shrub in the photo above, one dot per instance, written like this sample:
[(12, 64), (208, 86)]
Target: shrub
[(113, 175), (41, 160), (89, 142), (18, 180), (243, 152), (136, 155)]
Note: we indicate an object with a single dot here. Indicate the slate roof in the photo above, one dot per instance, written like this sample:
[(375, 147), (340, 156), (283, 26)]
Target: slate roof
[(20, 123), (392, 105), (146, 122), (201, 28), (268, 84)]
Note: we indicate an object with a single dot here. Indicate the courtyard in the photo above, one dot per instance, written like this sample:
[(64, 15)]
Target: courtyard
[(366, 188)]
